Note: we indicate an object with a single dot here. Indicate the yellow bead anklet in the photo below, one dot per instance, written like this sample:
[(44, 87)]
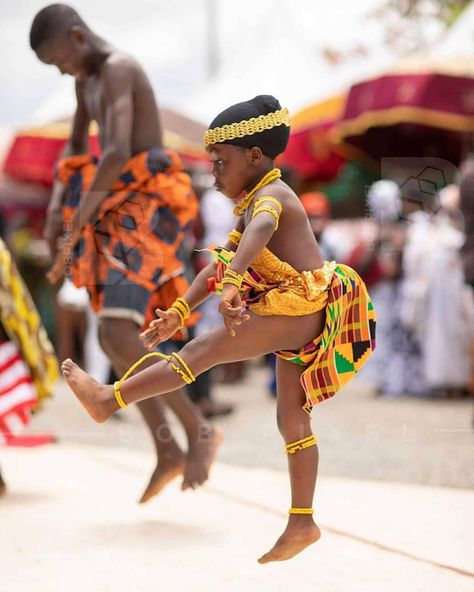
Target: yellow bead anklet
[(301, 444), (118, 383), (306, 511), (186, 368), (185, 373)]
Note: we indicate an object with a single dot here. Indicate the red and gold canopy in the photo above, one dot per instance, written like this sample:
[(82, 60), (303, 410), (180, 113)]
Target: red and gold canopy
[(34, 151), (420, 109), (310, 150)]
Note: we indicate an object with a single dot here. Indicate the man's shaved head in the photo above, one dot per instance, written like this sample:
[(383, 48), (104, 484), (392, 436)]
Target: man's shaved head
[(52, 21)]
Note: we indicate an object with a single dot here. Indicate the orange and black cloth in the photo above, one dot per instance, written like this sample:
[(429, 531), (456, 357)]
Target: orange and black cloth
[(127, 256)]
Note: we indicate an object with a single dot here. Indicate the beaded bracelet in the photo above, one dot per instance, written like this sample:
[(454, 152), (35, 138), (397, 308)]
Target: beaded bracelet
[(232, 277), (182, 309)]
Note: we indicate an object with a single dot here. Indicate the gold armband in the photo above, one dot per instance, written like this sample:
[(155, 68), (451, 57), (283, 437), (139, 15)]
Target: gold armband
[(262, 205)]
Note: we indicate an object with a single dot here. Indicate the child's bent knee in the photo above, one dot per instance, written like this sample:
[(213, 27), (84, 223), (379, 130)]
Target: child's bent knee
[(293, 426), (195, 350)]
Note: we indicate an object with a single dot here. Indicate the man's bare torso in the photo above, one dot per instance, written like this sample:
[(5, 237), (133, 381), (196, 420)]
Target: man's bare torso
[(146, 128)]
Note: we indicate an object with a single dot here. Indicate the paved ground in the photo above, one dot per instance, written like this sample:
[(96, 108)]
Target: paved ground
[(70, 524), (70, 521)]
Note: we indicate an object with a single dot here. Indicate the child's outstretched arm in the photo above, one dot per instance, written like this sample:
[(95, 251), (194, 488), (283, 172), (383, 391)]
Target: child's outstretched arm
[(168, 321)]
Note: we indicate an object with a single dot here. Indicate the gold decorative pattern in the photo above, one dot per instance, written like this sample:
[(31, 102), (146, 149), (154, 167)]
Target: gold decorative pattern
[(247, 127), (295, 293)]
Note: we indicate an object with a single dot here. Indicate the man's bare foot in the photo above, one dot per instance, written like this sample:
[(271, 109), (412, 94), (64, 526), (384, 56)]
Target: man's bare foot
[(97, 399), (300, 532), (168, 468), (201, 454)]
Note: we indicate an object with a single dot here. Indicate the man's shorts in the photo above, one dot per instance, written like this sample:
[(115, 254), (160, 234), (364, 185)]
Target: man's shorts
[(124, 300)]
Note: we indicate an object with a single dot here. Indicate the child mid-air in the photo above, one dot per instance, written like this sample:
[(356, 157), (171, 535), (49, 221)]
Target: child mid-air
[(277, 295)]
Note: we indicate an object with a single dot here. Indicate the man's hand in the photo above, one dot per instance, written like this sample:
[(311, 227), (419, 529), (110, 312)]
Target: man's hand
[(232, 308), (53, 229), (160, 329), (56, 273), (65, 246)]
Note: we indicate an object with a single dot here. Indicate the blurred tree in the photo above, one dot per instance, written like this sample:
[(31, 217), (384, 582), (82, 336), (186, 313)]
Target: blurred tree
[(447, 11), (412, 25)]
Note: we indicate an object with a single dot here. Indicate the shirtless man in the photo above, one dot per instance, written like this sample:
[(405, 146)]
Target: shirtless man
[(127, 262)]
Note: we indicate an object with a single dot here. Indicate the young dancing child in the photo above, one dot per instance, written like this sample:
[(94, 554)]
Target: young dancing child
[(277, 295)]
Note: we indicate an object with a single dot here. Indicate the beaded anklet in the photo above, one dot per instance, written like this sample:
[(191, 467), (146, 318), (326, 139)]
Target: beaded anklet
[(184, 372), (301, 444)]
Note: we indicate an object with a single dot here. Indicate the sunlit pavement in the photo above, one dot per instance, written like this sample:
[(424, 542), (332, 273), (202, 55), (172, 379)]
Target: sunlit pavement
[(70, 519)]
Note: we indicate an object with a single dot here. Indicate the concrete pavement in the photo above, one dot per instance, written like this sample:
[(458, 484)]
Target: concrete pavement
[(70, 518), (70, 522)]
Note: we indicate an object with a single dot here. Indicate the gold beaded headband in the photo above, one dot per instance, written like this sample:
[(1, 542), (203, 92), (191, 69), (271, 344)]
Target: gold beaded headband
[(247, 127)]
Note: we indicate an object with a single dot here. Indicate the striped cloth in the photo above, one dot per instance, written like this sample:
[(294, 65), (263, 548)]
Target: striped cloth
[(17, 393), (28, 365), (348, 339)]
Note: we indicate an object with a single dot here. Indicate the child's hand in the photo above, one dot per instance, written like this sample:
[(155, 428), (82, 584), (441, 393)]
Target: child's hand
[(160, 329), (232, 308)]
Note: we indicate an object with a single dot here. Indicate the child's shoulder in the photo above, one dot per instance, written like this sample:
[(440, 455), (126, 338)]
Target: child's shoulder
[(280, 191)]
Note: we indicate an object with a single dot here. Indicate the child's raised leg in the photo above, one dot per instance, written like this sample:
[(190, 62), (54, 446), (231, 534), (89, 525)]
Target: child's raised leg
[(295, 426), (258, 336)]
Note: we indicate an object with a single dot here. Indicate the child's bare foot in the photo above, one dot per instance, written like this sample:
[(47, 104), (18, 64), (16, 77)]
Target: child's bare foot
[(300, 532), (201, 455), (97, 399), (169, 466)]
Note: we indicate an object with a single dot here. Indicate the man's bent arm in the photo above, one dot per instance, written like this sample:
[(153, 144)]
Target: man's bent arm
[(77, 144), (118, 133)]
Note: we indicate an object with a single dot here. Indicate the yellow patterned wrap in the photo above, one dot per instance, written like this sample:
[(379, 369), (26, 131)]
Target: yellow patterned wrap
[(296, 294), (22, 324), (247, 127)]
